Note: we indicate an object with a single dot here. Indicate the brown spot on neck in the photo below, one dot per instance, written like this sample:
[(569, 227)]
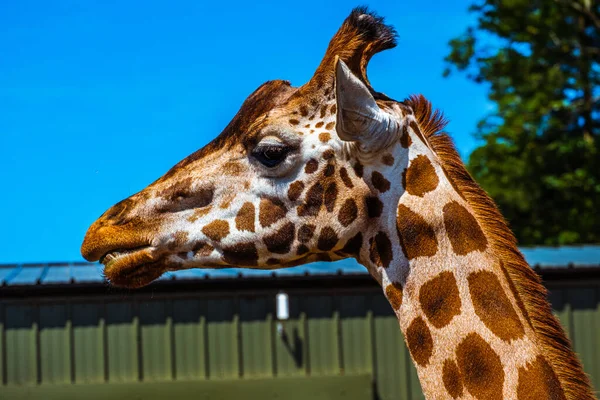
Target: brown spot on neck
[(452, 379), (393, 292), (417, 237), (537, 380), (480, 368), (440, 299), (419, 341), (381, 250), (493, 307), (463, 230), (420, 177)]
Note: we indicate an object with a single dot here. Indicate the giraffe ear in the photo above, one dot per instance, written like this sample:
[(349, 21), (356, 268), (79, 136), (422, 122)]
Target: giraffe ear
[(359, 119)]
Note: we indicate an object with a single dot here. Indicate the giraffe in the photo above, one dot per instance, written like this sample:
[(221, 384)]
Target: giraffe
[(331, 170)]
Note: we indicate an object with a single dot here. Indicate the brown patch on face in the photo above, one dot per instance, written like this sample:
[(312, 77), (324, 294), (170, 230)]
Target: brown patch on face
[(381, 250), (295, 190), (440, 299), (330, 125), (493, 307), (345, 178), (463, 230), (324, 137), (202, 249), (329, 170), (306, 232), (302, 249), (233, 168), (480, 368), (420, 342), (379, 182), (280, 242), (312, 201), (537, 380), (179, 240), (198, 213), (405, 140), (452, 379), (270, 211), (294, 121), (393, 293), (417, 131), (374, 206), (417, 237), (328, 154), (353, 245), (241, 254), (331, 196), (333, 109), (420, 177), (323, 111), (327, 239), (388, 159), (244, 221), (358, 169), (319, 124), (348, 212), (303, 110), (272, 261), (311, 166), (216, 230)]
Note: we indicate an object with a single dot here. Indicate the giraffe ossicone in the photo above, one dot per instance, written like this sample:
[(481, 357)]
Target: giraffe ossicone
[(332, 170)]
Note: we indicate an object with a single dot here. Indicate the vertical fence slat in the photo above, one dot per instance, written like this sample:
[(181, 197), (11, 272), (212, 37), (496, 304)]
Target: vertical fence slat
[(322, 334), (255, 319), (55, 353), (121, 329), (189, 338)]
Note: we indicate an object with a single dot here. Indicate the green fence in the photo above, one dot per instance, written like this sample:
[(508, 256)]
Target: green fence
[(66, 346)]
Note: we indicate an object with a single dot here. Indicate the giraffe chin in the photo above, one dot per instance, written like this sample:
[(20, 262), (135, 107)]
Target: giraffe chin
[(133, 270)]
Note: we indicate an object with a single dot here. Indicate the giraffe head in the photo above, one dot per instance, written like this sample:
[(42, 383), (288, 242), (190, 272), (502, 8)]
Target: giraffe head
[(284, 184)]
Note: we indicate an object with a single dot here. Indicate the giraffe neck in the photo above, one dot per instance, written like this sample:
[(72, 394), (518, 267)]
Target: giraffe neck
[(459, 311)]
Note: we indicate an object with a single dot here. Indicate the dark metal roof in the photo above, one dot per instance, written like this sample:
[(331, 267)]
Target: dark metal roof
[(82, 273)]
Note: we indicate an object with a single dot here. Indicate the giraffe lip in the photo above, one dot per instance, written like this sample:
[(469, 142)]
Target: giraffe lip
[(132, 268)]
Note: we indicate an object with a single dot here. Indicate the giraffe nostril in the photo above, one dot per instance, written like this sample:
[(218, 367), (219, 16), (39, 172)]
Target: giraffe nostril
[(116, 215), (183, 198)]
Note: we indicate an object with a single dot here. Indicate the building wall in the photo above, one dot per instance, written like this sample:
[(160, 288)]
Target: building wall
[(233, 336)]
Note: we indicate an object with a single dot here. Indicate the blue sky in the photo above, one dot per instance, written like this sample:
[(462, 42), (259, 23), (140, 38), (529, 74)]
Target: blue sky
[(98, 99)]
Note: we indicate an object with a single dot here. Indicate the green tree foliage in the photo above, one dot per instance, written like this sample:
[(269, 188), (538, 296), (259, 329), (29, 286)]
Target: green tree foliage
[(540, 153)]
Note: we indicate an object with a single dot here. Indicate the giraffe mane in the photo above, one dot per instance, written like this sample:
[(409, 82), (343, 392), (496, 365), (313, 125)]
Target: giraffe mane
[(530, 294)]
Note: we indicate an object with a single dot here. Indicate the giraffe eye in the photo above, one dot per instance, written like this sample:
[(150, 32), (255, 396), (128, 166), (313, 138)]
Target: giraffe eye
[(270, 155)]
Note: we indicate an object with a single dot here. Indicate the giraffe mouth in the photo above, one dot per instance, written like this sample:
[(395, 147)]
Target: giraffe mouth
[(133, 268)]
